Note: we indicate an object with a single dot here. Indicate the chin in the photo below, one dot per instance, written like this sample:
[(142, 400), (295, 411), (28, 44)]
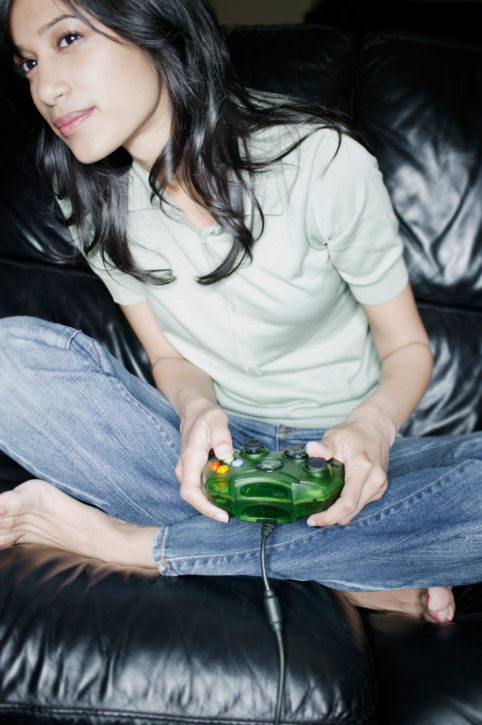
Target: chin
[(89, 155)]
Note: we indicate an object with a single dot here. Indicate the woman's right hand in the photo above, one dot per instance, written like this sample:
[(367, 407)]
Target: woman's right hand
[(204, 426)]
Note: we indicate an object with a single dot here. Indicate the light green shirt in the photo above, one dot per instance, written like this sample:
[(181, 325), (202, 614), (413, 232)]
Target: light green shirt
[(284, 338)]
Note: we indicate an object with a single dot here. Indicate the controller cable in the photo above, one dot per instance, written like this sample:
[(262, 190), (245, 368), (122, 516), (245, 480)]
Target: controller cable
[(275, 618)]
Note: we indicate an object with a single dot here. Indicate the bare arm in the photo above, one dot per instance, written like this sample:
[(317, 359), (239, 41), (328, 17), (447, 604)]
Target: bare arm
[(191, 393), (364, 439)]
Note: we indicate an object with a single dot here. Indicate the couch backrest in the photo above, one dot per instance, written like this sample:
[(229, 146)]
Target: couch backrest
[(418, 103)]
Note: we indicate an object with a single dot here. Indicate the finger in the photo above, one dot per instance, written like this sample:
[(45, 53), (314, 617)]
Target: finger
[(373, 490), (217, 431), (363, 483), (197, 498), (193, 493), (221, 442), (179, 470), (320, 449), (344, 508)]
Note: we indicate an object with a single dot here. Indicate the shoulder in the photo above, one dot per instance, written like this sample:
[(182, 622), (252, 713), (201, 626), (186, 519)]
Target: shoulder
[(337, 155), (315, 150)]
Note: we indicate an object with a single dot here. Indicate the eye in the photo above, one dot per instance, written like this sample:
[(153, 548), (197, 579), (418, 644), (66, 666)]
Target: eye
[(25, 66), (68, 39)]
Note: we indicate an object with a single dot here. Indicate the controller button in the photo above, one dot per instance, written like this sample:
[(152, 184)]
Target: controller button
[(214, 466), (253, 446), (269, 465), (296, 452), (316, 464), (237, 463), (223, 469)]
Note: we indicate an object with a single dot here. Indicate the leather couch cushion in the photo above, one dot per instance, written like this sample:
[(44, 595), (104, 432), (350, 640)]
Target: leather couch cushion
[(91, 643), (312, 63), (450, 18), (453, 401), (419, 104)]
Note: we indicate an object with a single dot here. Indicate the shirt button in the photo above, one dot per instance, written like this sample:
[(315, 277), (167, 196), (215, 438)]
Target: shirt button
[(232, 305), (242, 341), (251, 370)]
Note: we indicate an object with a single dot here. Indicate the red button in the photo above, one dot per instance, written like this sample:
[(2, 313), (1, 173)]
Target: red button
[(214, 466)]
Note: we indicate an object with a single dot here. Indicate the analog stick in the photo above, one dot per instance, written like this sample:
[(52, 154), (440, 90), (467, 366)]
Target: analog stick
[(316, 464), (254, 446)]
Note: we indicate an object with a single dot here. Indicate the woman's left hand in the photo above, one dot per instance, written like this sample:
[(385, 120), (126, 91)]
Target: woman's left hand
[(363, 448)]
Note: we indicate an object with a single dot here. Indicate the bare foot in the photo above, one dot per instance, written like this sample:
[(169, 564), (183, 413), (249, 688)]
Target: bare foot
[(433, 604), (38, 513)]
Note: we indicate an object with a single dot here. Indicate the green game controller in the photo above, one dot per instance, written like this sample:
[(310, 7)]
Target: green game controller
[(273, 487)]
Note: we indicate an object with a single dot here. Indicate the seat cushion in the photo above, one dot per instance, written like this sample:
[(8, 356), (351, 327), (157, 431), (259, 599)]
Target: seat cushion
[(86, 642)]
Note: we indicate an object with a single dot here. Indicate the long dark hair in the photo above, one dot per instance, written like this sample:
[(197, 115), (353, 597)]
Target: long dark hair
[(213, 118)]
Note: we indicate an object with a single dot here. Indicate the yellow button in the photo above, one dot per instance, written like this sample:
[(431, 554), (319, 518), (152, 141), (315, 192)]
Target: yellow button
[(223, 469)]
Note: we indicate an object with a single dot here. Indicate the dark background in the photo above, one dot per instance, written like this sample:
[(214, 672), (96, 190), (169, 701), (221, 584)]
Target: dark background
[(460, 19)]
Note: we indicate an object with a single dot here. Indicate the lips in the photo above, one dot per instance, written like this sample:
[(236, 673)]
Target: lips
[(70, 122)]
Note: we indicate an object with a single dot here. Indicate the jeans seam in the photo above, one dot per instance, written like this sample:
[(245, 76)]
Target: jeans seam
[(80, 352), (161, 546), (125, 391)]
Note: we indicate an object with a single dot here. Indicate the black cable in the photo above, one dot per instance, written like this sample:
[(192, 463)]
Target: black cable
[(275, 618)]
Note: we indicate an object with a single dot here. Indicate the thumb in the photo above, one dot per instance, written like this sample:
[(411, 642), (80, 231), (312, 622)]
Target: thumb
[(319, 449)]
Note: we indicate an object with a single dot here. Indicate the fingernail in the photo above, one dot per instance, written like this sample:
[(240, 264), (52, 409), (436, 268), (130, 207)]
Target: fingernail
[(222, 518), (311, 522), (435, 616), (428, 601), (2, 512), (450, 615)]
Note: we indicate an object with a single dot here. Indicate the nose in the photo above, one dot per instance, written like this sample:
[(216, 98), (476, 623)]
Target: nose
[(52, 83)]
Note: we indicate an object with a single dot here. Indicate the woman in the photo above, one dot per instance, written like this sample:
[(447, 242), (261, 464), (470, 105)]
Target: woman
[(252, 247)]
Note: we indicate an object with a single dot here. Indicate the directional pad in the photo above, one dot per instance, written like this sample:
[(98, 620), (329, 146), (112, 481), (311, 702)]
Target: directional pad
[(297, 453)]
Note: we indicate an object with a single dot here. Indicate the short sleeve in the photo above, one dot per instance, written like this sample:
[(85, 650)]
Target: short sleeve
[(354, 216), (125, 289)]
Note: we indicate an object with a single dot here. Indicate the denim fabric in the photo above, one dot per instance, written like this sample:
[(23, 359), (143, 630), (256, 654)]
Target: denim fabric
[(73, 416)]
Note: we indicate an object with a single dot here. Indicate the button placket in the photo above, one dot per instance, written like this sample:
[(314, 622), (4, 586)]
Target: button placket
[(237, 327)]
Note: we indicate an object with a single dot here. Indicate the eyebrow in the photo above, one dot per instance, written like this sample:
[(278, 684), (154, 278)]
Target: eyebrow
[(53, 22), (48, 26)]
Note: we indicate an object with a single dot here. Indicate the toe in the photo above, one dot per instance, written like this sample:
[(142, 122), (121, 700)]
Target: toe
[(440, 604)]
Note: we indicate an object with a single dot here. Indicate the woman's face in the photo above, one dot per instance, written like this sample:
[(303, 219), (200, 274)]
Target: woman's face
[(95, 93)]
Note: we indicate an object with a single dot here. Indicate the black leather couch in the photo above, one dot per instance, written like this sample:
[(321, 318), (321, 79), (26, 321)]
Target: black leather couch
[(461, 19), (86, 642)]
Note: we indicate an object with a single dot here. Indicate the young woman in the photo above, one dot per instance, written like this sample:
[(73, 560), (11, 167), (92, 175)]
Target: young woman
[(252, 247)]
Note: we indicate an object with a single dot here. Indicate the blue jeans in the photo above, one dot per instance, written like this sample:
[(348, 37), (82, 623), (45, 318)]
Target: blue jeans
[(73, 416)]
